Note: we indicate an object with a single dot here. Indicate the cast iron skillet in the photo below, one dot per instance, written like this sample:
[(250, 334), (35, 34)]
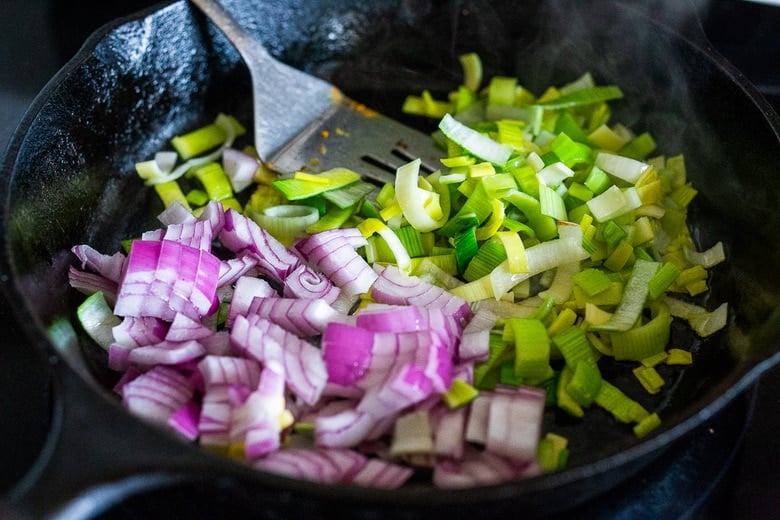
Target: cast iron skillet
[(69, 179)]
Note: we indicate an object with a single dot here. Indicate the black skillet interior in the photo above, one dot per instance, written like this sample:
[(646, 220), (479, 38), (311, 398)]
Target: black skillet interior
[(71, 178)]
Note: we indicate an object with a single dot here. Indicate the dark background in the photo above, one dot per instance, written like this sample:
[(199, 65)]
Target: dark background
[(38, 36)]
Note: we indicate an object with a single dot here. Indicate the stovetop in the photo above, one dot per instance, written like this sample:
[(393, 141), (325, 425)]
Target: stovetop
[(730, 471)]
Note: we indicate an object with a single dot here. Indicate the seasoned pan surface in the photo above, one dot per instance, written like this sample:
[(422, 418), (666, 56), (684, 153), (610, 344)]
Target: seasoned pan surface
[(69, 176)]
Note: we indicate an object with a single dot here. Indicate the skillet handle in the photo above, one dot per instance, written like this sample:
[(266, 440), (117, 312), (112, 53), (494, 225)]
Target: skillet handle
[(94, 445)]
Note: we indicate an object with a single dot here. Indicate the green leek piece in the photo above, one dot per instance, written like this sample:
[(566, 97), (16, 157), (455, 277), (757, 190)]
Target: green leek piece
[(459, 394), (507, 375), (644, 341), (639, 147), (518, 227), (333, 218), (474, 142), (585, 383), (349, 195), (634, 297), (544, 310), (466, 247), (205, 138), (552, 452), (564, 401), (666, 275), (371, 226), (197, 197), (655, 359), (551, 203), (592, 281), (565, 319), (613, 233), (649, 378), (501, 90), (622, 407), (574, 346), (489, 255), (493, 223), (545, 227), (570, 152), (567, 124), (472, 70), (532, 348), (678, 357), (683, 195), (646, 425), (97, 319), (498, 185), (214, 180), (579, 192), (620, 257), (411, 240), (597, 181), (586, 96), (296, 189), (170, 192), (478, 204), (486, 374), (369, 210)]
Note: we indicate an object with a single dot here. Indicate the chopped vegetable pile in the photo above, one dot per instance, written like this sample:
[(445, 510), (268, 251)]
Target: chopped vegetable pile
[(330, 330)]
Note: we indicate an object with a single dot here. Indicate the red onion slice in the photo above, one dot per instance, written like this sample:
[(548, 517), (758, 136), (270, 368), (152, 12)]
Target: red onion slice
[(302, 317), (242, 235), (305, 282), (304, 368), (155, 395)]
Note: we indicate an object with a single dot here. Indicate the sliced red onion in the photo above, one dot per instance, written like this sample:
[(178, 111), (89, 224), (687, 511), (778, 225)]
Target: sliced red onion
[(154, 235), (108, 266), (515, 422), (184, 421), (391, 318), (257, 422), (239, 167), (218, 344), (214, 213), (175, 213), (406, 386), (155, 395), (304, 368), (477, 424), (305, 282), (344, 429), (302, 317), (449, 432), (232, 269), (184, 328), (216, 416), (382, 474), (395, 287), (321, 465), (242, 235), (347, 352), (477, 468), (246, 289), (166, 353), (333, 253), (228, 370), (90, 283), (119, 356), (143, 330), (166, 277), (197, 234), (475, 341)]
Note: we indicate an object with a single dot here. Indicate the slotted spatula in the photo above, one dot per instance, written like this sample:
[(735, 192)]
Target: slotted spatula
[(304, 123)]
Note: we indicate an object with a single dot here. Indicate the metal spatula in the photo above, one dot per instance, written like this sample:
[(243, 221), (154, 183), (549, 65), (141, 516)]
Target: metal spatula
[(304, 123)]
